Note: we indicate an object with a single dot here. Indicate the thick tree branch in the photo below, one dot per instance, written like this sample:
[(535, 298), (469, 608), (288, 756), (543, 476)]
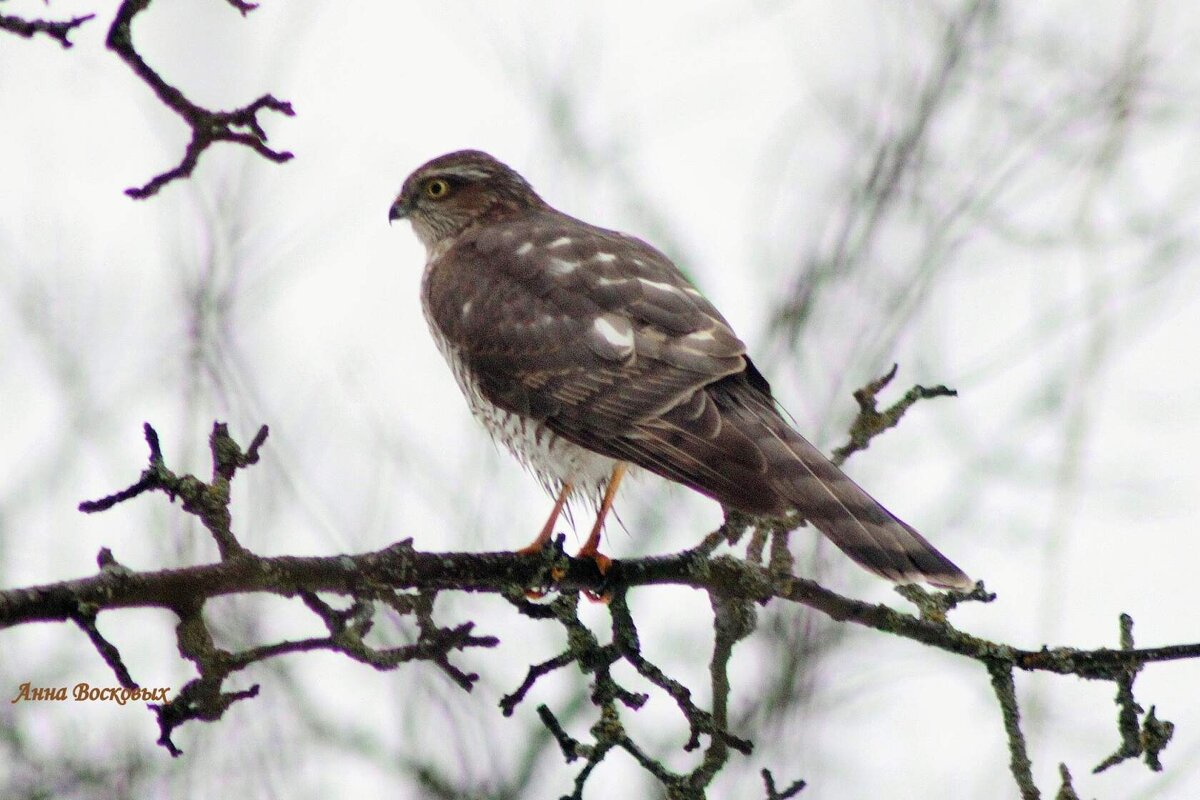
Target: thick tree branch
[(401, 567)]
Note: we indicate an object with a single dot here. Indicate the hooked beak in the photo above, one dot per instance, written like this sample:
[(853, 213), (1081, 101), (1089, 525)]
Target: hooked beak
[(399, 210)]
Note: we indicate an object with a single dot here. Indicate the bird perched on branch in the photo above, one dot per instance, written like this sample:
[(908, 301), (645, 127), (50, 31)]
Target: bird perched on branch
[(586, 351)]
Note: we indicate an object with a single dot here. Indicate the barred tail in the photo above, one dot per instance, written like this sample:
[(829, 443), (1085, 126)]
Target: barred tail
[(728, 441), (852, 519)]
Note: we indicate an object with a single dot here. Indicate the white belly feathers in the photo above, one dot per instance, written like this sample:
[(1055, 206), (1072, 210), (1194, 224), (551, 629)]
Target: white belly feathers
[(551, 458)]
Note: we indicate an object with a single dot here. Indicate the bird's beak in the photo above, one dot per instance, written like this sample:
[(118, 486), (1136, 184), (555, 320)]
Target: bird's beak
[(399, 210)]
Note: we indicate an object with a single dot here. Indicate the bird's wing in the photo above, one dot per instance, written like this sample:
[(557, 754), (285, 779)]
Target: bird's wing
[(588, 330)]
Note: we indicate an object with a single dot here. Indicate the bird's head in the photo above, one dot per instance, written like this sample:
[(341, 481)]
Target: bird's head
[(449, 194)]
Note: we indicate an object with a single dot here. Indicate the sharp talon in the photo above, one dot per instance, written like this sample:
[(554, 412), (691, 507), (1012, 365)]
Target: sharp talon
[(602, 597)]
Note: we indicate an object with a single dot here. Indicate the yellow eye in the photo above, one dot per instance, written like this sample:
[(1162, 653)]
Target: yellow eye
[(437, 189)]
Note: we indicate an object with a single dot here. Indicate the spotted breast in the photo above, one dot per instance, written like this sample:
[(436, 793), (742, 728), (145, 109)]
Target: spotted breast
[(555, 461)]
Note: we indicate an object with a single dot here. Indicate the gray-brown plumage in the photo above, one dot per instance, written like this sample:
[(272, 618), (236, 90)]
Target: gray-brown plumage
[(583, 349)]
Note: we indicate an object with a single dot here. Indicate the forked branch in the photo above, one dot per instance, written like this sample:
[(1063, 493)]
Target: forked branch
[(240, 126)]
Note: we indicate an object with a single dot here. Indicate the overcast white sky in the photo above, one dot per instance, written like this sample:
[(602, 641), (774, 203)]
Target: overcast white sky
[(1063, 305)]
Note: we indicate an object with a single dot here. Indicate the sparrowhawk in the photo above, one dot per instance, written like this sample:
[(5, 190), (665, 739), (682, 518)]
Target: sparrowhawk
[(586, 351)]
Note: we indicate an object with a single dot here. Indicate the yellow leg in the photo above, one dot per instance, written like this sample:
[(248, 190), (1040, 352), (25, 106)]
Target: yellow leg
[(543, 538), (591, 548)]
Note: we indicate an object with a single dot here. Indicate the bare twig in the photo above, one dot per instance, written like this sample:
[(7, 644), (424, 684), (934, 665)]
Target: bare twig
[(242, 6), (775, 794), (1149, 737), (85, 618), (208, 501), (701, 722), (154, 477), (59, 30), (1006, 694), (870, 422), (1067, 790), (240, 126)]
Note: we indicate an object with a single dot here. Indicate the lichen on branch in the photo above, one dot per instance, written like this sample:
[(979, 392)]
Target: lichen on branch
[(404, 581)]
